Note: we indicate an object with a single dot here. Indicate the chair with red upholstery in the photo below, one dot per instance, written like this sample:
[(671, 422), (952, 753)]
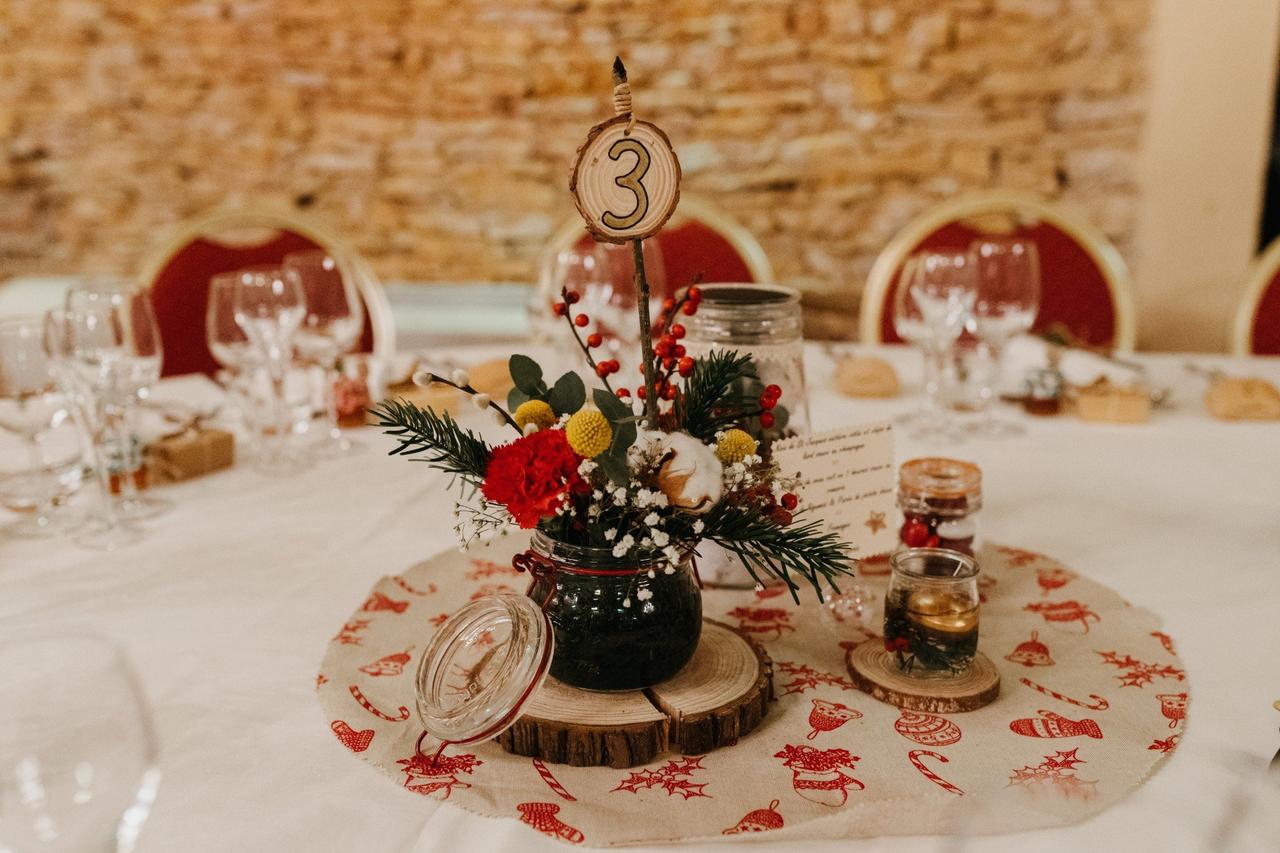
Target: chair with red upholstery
[(698, 239), (1255, 329), (1086, 289), (228, 240)]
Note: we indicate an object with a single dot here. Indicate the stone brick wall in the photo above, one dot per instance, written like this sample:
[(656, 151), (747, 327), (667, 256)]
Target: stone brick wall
[(438, 135)]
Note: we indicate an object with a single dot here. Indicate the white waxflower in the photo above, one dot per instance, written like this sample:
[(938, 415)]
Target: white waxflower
[(698, 526), (660, 538), (481, 401), (644, 594), (596, 495), (611, 534), (624, 545), (460, 377), (651, 520)]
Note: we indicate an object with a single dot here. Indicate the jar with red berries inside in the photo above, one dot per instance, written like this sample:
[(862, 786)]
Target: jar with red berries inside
[(940, 501)]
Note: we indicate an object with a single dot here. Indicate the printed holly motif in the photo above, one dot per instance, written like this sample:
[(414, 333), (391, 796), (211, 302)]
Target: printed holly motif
[(673, 777), (356, 741), (762, 620), (321, 678), (1057, 773), (1064, 611), (1051, 579), (1174, 707), (439, 619), (542, 817), (429, 775), (488, 568), (350, 633), (816, 774), (1165, 640), (758, 820), (829, 716), (392, 664), (1138, 673), (1165, 745), (379, 602), (1019, 556), (805, 677)]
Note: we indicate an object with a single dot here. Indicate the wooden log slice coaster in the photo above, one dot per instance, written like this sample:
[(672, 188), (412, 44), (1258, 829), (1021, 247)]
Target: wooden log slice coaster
[(720, 695), (874, 671)]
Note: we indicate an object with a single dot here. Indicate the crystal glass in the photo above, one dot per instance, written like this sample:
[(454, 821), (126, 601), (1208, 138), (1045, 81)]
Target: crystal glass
[(931, 612), (763, 320), (603, 274), (1006, 304), (330, 327), (935, 294), (98, 355), (136, 369), (77, 749), (620, 624), (40, 457), (269, 307)]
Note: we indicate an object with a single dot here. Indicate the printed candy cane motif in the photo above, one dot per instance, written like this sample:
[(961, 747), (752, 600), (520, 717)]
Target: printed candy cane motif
[(914, 757), (403, 584), (368, 706), (551, 781), (1098, 703)]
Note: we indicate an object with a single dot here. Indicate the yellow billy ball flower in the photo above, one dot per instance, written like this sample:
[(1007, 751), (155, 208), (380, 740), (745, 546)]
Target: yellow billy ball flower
[(734, 446), (589, 433), (534, 412)]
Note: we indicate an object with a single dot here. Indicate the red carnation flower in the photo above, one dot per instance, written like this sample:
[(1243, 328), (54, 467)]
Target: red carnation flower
[(531, 476)]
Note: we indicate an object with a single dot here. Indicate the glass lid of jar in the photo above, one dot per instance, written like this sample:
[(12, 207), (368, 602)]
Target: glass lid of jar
[(481, 668)]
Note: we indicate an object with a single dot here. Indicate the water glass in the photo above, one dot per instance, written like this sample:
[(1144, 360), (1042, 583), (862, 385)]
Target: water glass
[(330, 327), (77, 749), (40, 457)]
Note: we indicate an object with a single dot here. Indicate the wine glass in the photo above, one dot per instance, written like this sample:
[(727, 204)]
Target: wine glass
[(48, 468), (93, 351), (137, 370), (935, 294), (330, 327), (270, 306), (77, 749), (1008, 299)]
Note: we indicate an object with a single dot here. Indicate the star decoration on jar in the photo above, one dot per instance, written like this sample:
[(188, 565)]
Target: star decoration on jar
[(875, 522)]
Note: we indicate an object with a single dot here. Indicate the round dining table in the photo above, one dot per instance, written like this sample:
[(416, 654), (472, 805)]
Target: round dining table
[(227, 604)]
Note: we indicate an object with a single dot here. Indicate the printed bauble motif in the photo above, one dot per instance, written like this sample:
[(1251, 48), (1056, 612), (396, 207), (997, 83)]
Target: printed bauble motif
[(759, 820), (927, 729)]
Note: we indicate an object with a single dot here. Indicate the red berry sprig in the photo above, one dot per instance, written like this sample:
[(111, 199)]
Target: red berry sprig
[(603, 369)]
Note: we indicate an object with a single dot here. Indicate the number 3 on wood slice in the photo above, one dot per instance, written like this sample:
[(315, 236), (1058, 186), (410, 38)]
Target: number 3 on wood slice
[(626, 184)]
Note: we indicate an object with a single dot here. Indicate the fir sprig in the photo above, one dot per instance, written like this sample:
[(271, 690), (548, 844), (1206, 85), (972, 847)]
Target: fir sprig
[(452, 449), (769, 548), (709, 403)]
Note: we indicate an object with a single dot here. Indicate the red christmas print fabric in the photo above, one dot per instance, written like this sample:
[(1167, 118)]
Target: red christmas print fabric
[(1093, 698)]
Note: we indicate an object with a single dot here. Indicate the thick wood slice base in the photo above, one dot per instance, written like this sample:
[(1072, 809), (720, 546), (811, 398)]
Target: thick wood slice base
[(874, 671), (722, 694)]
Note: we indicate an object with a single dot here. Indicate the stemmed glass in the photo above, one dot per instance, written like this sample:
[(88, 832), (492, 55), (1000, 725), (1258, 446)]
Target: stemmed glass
[(269, 307), (330, 327), (103, 351), (131, 308), (230, 347), (37, 412), (935, 295), (77, 750), (1008, 299)]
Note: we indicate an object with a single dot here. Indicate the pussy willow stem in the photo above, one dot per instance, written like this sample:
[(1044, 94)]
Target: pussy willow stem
[(646, 338), (467, 389)]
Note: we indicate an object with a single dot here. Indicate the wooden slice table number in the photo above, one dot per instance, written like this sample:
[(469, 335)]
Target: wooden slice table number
[(626, 181)]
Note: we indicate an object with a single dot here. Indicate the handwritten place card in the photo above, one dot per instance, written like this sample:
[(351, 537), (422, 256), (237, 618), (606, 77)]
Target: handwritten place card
[(847, 479)]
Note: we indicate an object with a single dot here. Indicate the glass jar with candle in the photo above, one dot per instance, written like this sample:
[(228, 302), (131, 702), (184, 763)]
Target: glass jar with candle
[(931, 612), (763, 321), (940, 500)]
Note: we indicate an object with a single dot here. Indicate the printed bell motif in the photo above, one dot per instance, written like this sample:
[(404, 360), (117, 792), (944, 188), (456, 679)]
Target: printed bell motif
[(390, 665), (1174, 707), (828, 716), (1055, 725), (1031, 652), (760, 820)]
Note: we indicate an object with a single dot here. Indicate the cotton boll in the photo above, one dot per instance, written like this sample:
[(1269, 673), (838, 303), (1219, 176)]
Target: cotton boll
[(690, 475)]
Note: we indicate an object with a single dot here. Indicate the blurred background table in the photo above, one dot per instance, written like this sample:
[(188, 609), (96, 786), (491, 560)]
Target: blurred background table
[(227, 605)]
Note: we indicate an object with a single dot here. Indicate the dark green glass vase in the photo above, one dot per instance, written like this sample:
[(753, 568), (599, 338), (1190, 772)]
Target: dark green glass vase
[(620, 624)]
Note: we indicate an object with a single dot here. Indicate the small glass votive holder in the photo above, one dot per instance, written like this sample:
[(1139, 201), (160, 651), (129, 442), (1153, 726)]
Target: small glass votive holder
[(931, 612)]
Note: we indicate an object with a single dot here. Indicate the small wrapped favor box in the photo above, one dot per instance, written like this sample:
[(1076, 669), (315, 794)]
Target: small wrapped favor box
[(192, 453)]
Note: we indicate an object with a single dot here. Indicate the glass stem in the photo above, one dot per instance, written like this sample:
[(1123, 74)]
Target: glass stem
[(45, 502), (331, 377), (934, 364), (276, 369), (111, 431), (992, 391)]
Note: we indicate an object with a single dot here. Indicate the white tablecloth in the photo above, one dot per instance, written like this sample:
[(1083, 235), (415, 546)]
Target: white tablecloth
[(227, 605)]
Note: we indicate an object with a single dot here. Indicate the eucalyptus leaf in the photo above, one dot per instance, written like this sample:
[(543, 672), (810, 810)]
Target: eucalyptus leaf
[(515, 397), (614, 466), (568, 394), (527, 375), (613, 408)]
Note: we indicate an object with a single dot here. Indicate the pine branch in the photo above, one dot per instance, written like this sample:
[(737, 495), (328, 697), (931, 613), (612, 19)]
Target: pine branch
[(451, 448), (783, 552), (709, 404)]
